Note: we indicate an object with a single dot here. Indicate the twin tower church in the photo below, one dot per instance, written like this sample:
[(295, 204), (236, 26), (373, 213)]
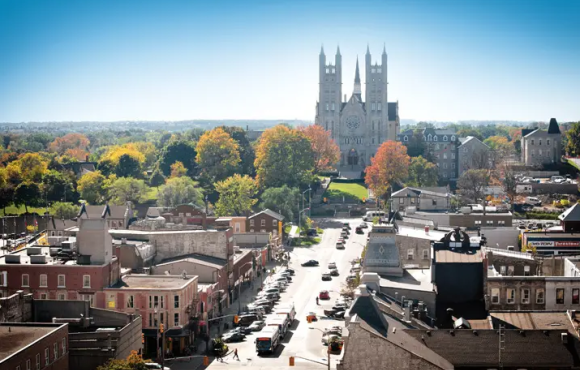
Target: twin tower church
[(358, 126)]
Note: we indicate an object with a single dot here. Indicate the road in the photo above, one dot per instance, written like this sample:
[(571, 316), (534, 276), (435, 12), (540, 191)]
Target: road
[(302, 342)]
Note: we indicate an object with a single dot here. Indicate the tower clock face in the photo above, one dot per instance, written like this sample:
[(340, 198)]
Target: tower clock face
[(352, 122)]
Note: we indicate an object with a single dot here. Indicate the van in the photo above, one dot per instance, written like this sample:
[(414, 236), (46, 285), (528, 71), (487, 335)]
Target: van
[(370, 215), (533, 201), (247, 320)]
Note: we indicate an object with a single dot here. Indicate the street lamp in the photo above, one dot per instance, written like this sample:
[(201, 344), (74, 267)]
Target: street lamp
[(240, 287), (328, 351), (209, 321)]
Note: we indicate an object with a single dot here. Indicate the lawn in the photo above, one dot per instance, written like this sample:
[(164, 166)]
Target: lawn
[(13, 210), (350, 191), (305, 242), (151, 195)]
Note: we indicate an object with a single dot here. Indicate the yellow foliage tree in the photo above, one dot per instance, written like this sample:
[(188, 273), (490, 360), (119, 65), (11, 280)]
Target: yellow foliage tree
[(218, 155), (178, 170)]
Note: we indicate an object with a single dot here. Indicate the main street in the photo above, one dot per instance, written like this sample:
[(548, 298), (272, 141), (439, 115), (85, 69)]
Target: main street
[(302, 342)]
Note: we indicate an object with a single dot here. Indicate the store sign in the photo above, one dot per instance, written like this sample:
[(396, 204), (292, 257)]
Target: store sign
[(539, 244), (567, 244)]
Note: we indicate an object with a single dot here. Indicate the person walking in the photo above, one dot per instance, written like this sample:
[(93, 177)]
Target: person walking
[(236, 354)]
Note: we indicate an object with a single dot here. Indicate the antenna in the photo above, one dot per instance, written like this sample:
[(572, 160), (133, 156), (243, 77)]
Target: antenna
[(501, 344)]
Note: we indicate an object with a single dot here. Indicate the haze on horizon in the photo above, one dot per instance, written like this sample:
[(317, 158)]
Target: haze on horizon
[(449, 60)]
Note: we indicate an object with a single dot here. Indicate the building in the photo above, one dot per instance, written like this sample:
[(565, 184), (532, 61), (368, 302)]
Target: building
[(159, 299), (439, 146), (189, 214), (34, 345), (266, 221), (540, 147), (422, 200), (382, 255), (238, 224), (570, 219), (480, 219), (473, 154), (117, 217), (50, 273), (359, 127)]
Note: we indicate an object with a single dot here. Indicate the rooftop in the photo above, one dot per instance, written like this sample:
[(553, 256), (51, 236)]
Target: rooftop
[(197, 259), (412, 279), (38, 256), (269, 213), (571, 214), (17, 337), (531, 320), (156, 282), (449, 256), (435, 235)]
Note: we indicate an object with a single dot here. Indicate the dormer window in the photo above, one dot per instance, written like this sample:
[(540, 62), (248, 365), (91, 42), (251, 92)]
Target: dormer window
[(373, 70), (405, 138), (452, 138), (445, 138), (429, 137), (435, 138), (378, 70)]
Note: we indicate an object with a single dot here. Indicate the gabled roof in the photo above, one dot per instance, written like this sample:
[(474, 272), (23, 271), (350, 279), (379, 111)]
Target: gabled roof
[(527, 131), (417, 192), (367, 310), (269, 213), (571, 214), (89, 211), (470, 139), (60, 224)]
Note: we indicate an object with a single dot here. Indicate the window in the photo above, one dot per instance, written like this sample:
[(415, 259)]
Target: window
[(409, 254), (28, 364), (540, 142), (445, 164), (63, 346), (38, 361), (46, 357), (130, 301), (510, 271), (372, 106), (87, 297), (547, 141), (452, 138), (560, 296), (263, 222), (502, 270), (327, 107), (490, 222), (501, 222), (525, 296), (425, 254), (332, 106), (176, 319), (532, 141), (539, 151), (434, 202), (43, 296), (412, 200), (251, 222), (4, 278), (477, 222), (575, 296), (251, 230), (511, 296), (237, 227), (495, 295), (87, 281), (453, 156), (435, 138), (444, 155), (526, 270), (61, 281), (274, 223), (61, 296), (43, 281), (405, 138), (263, 230), (18, 367), (25, 280), (55, 350), (453, 165), (379, 107), (540, 296), (401, 200), (176, 301), (151, 319), (162, 299), (429, 137)]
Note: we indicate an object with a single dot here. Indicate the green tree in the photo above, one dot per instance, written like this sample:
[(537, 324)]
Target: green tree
[(422, 172), (127, 189), (6, 190), (27, 194), (573, 140), (247, 154), (283, 200), (236, 195), (284, 156), (178, 151), (217, 155), (157, 179), (66, 210), (128, 166), (180, 190), (57, 186), (91, 187)]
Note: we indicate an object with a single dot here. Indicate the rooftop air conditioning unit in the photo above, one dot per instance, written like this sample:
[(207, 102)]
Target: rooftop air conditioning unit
[(12, 258), (38, 260), (33, 251)]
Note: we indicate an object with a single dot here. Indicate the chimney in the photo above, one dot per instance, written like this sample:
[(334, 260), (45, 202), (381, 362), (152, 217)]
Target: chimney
[(87, 158), (427, 229)]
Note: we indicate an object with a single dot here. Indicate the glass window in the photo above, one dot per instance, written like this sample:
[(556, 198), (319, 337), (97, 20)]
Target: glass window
[(540, 296), (43, 296), (55, 350), (28, 364), (401, 200), (575, 296), (43, 281), (63, 345), (409, 254), (495, 295), (176, 319), (525, 296), (274, 223), (130, 301), (61, 281), (46, 357), (511, 296), (162, 301), (379, 106), (511, 270), (25, 280), (526, 270), (540, 142), (61, 296), (547, 141), (86, 281), (435, 138), (425, 254), (251, 222), (176, 301), (532, 141), (405, 138), (445, 138), (38, 361), (3, 278), (559, 296), (263, 222)]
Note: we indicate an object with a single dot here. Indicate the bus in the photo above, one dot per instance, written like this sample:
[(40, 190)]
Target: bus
[(289, 312), (279, 321), (267, 340)]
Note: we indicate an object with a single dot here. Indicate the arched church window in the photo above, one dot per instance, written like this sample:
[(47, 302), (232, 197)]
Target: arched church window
[(452, 138), (428, 137)]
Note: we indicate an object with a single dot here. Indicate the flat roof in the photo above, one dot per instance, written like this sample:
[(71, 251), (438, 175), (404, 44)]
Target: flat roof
[(449, 256), (531, 320), (419, 232), (17, 337), (139, 282), (116, 232), (412, 279), (43, 251)]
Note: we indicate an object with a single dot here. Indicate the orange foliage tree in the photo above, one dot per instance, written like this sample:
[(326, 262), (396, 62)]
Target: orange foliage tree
[(69, 141), (326, 151), (389, 165)]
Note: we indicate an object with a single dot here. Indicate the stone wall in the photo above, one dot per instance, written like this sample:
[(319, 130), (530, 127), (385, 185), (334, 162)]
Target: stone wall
[(209, 243), (16, 308)]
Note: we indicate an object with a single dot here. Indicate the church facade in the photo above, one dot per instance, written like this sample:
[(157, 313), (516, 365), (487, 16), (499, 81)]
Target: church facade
[(358, 127)]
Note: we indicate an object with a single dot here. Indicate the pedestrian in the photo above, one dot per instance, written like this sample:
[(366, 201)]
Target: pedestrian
[(236, 354)]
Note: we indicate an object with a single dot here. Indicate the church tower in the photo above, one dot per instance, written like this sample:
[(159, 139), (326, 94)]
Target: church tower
[(330, 92), (376, 100)]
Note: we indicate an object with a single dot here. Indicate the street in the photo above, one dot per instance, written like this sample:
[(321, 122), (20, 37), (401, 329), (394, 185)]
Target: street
[(302, 342)]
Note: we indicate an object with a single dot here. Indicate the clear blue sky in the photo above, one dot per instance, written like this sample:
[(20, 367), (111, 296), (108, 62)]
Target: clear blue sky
[(172, 60)]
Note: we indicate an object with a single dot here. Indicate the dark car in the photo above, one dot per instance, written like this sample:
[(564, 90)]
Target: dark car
[(346, 225), (247, 320), (242, 330), (310, 263), (326, 277), (359, 230), (311, 232), (334, 272), (267, 308), (233, 337)]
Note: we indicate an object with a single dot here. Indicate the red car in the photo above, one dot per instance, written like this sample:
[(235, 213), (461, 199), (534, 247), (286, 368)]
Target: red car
[(324, 294)]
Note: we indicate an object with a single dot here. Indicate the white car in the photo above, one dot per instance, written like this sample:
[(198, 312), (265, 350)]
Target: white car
[(154, 365), (332, 266)]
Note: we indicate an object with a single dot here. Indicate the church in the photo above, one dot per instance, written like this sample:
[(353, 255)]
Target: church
[(358, 127)]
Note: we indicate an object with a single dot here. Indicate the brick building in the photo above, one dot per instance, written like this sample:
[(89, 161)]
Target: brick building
[(34, 346), (266, 221)]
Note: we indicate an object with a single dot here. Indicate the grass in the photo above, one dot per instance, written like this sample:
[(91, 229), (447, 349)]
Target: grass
[(13, 210), (353, 191), (151, 194), (305, 242)]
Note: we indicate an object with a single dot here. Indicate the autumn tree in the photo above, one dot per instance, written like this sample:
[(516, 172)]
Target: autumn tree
[(28, 167), (236, 195), (127, 189), (218, 155), (133, 362), (389, 166), (178, 151), (72, 141), (284, 156), (178, 170), (573, 142), (472, 185), (91, 187), (247, 153), (500, 149), (6, 190), (283, 200), (422, 173), (180, 190), (326, 151)]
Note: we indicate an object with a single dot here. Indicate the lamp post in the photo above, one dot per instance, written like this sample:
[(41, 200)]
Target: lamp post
[(156, 311), (240, 288), (209, 321), (328, 351)]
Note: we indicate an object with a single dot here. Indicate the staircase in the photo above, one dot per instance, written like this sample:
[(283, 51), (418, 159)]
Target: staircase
[(350, 172)]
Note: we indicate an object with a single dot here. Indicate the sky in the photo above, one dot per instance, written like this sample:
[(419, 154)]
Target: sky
[(102, 60)]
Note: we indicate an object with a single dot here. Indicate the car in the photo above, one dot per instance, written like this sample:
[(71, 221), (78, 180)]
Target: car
[(340, 246), (326, 277), (155, 366), (311, 317), (242, 330), (333, 330), (363, 225), (346, 231), (332, 265), (334, 272), (267, 308), (344, 235), (257, 325), (340, 306), (327, 338), (323, 294), (263, 302), (340, 240), (346, 225), (311, 232), (233, 337), (359, 230), (290, 271), (310, 263)]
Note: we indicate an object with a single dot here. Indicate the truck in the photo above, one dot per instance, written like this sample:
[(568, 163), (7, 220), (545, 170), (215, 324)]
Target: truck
[(267, 340)]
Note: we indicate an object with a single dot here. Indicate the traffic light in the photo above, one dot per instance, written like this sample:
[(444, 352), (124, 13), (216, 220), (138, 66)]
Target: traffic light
[(142, 338), (236, 319), (161, 328)]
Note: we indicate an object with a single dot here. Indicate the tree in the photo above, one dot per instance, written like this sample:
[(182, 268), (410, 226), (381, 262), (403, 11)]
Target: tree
[(283, 200), (472, 185), (127, 189), (236, 195), (573, 136), (500, 149), (178, 170), (509, 182), (218, 155), (70, 142), (284, 156), (133, 362), (27, 193), (180, 190), (469, 131), (178, 151), (57, 186), (29, 166), (422, 173), (91, 187), (157, 179), (389, 165), (326, 152), (6, 190), (66, 210), (247, 154), (128, 166)]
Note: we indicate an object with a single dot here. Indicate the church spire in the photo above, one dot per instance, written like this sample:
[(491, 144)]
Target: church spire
[(338, 50), (357, 88), (368, 50), (384, 49), (321, 49)]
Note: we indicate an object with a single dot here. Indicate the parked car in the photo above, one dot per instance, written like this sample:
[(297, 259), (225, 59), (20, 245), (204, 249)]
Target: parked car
[(332, 265), (363, 225), (340, 306), (310, 263), (257, 325), (359, 230), (344, 235), (311, 232), (326, 277), (334, 272), (346, 225), (323, 294), (242, 330), (155, 366), (233, 337), (340, 245), (333, 330), (290, 271)]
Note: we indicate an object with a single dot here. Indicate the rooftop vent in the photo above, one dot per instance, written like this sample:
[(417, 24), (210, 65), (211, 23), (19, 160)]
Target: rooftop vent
[(54, 252), (38, 260), (84, 259), (12, 258), (33, 251)]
